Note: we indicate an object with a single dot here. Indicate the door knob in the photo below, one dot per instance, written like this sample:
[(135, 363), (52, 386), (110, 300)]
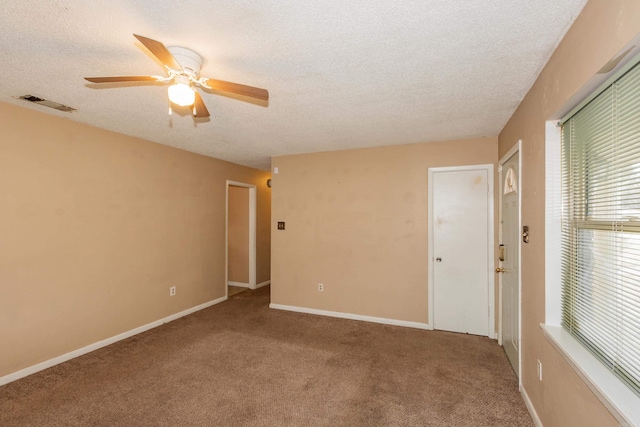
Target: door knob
[(438, 259), (500, 270)]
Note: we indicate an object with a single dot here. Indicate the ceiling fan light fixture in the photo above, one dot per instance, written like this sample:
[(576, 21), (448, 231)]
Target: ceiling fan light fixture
[(183, 68), (181, 94)]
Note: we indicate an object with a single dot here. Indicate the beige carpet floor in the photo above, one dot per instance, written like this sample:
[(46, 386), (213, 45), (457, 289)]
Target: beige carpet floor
[(232, 290), (240, 363)]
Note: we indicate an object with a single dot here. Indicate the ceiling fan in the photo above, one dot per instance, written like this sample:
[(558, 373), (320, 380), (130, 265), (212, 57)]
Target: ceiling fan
[(183, 68)]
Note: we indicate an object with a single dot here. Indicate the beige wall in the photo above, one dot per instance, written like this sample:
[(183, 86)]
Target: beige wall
[(602, 29), (96, 226), (357, 222), (238, 234)]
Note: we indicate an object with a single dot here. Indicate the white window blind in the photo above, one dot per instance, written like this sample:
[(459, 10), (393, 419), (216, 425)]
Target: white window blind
[(601, 227)]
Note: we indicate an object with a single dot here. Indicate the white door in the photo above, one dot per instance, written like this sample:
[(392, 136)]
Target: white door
[(462, 236), (510, 262)]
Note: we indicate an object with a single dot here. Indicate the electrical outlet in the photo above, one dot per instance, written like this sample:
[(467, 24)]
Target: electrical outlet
[(539, 369), (172, 291), (320, 287)]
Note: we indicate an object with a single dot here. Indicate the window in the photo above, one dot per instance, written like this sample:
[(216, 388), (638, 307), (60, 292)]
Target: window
[(510, 182), (601, 227)]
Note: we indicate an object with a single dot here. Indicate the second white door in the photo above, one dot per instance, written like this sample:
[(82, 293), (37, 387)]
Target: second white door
[(461, 209), (510, 263)]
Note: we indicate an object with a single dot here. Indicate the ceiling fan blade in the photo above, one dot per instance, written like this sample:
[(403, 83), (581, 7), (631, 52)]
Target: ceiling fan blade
[(253, 92), (119, 79), (199, 109), (159, 51)]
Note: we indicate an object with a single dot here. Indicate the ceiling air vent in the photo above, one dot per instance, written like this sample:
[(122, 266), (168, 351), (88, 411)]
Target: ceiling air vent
[(46, 103)]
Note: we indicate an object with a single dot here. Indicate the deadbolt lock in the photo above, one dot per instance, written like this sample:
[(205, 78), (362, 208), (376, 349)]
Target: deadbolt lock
[(500, 270)]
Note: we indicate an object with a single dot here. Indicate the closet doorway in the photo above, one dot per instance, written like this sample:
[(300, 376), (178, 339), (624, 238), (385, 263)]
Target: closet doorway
[(240, 237)]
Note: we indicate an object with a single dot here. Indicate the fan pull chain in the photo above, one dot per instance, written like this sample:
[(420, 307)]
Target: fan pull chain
[(170, 110)]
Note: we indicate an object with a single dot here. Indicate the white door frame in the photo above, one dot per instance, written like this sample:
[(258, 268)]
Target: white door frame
[(252, 233), (516, 149), (490, 242)]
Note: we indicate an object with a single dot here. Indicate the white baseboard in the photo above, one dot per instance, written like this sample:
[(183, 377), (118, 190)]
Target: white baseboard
[(239, 284), (350, 316), (532, 410), (260, 285), (97, 345), (246, 285)]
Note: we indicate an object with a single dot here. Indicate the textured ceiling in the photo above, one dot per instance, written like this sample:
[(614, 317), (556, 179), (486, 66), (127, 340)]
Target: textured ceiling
[(340, 74)]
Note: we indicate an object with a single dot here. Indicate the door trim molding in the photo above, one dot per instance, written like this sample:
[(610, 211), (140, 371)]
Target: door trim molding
[(516, 149), (252, 232), (491, 332)]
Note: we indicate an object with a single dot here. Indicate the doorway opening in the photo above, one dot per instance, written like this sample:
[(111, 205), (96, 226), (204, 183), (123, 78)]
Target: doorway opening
[(240, 237)]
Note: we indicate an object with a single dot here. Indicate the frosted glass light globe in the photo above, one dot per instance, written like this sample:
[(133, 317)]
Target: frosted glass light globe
[(181, 94)]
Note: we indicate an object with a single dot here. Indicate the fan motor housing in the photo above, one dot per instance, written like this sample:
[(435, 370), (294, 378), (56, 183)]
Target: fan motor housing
[(190, 60)]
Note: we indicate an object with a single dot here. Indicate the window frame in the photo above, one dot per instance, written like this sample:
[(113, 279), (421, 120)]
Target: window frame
[(620, 400)]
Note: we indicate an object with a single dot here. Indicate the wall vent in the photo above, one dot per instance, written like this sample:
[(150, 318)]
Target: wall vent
[(46, 103)]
